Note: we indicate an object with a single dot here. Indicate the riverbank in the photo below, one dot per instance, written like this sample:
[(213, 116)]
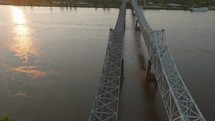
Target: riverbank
[(155, 7)]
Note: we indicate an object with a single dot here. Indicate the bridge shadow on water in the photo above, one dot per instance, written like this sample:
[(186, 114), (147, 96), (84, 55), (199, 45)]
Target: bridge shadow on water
[(150, 87), (139, 100)]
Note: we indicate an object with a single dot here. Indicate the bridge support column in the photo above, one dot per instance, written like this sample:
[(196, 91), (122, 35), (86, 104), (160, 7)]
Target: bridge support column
[(122, 70), (136, 25), (148, 70), (149, 74), (133, 13), (124, 24)]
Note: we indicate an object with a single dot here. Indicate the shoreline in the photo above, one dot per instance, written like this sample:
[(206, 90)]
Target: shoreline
[(100, 6)]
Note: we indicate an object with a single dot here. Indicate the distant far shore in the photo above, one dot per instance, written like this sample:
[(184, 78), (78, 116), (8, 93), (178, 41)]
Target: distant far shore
[(101, 6)]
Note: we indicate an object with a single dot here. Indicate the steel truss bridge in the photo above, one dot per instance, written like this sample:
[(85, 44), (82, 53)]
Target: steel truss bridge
[(178, 102)]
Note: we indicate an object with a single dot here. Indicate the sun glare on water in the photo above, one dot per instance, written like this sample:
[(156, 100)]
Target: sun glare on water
[(18, 15), (23, 45)]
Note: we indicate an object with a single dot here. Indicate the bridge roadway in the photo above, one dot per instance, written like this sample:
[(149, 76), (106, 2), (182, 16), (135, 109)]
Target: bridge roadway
[(106, 103), (178, 102)]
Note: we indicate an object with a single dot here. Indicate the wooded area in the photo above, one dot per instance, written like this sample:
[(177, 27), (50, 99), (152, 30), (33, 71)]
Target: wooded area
[(108, 3)]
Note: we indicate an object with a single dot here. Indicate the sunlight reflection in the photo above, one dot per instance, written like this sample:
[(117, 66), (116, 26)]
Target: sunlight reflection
[(22, 31), (30, 70), (16, 94), (23, 46), (18, 16)]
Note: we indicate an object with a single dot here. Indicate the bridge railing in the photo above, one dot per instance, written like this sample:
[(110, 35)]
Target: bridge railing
[(178, 102)]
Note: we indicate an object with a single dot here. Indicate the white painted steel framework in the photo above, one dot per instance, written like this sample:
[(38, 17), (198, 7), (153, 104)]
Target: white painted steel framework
[(178, 102), (106, 103)]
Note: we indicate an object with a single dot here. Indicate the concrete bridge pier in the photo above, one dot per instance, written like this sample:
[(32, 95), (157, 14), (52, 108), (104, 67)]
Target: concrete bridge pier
[(122, 70), (136, 24), (148, 70), (149, 74), (125, 24), (133, 12)]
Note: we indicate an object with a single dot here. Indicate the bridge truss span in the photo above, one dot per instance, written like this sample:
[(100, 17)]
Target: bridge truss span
[(106, 103), (179, 104)]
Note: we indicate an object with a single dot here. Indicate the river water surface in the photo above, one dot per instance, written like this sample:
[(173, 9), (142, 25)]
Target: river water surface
[(51, 59)]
